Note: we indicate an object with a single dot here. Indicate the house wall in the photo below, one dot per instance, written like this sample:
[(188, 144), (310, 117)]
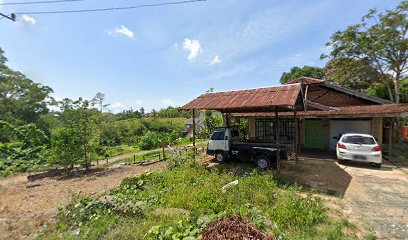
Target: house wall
[(330, 97), (302, 133), (376, 127)]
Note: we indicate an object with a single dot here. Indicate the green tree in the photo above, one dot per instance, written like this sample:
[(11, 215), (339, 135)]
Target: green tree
[(379, 39), (211, 121), (80, 118), (305, 71), (21, 100), (99, 100), (66, 147), (351, 73)]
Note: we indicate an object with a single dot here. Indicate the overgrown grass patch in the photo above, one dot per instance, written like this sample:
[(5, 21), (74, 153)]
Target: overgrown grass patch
[(189, 198)]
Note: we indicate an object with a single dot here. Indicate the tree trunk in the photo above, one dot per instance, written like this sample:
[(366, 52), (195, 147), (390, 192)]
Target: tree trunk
[(391, 95), (397, 100)]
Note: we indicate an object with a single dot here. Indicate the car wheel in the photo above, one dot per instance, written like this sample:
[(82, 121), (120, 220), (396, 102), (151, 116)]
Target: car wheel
[(219, 157), (377, 165), (340, 161), (263, 162)]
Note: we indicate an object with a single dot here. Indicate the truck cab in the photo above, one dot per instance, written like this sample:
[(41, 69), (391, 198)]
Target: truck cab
[(226, 143)]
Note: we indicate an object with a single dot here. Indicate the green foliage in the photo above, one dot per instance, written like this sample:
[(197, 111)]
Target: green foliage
[(170, 112), (25, 150), (80, 135), (182, 201), (351, 73), (211, 121), (305, 71), (149, 141), (380, 39), (21, 100), (66, 147)]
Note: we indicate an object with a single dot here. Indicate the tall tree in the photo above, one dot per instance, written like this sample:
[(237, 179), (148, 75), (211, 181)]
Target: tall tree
[(22, 101), (98, 100), (79, 117), (379, 39), (305, 71), (351, 73)]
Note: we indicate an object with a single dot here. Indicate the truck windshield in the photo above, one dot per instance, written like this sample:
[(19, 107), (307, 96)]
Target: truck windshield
[(358, 140), (218, 136)]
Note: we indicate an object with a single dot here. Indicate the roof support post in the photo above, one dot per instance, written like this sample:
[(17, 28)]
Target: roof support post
[(295, 122), (194, 133), (390, 139), (277, 140)]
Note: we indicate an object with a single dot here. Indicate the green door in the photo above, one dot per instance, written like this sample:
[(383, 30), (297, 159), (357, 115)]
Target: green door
[(313, 134)]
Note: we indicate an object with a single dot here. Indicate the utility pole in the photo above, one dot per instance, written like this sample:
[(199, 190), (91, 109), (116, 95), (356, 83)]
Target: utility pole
[(12, 16)]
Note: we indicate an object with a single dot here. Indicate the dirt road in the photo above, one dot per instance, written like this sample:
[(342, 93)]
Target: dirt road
[(374, 199), (24, 210)]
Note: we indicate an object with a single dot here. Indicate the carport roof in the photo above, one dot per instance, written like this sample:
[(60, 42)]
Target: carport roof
[(282, 98), (386, 110)]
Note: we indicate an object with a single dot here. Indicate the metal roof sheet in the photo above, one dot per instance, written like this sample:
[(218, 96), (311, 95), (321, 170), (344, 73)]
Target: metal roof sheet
[(386, 110), (284, 96)]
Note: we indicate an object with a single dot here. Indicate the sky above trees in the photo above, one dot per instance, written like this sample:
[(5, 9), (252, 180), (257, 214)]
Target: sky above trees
[(155, 57)]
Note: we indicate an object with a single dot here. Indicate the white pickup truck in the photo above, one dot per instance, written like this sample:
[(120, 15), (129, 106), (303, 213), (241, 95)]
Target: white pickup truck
[(225, 143)]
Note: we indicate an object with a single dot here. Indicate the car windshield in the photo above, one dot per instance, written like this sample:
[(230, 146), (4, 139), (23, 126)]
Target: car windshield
[(217, 136), (356, 139)]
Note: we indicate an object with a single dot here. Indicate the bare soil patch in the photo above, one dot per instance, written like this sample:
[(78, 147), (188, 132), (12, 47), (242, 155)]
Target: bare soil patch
[(25, 205)]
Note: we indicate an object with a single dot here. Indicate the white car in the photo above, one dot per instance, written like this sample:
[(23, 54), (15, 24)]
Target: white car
[(360, 148)]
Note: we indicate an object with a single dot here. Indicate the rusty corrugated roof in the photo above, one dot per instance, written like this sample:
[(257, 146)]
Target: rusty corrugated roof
[(386, 110), (284, 96)]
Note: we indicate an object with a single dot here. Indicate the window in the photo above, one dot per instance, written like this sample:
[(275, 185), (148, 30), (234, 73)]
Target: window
[(265, 129), (218, 136), (358, 140)]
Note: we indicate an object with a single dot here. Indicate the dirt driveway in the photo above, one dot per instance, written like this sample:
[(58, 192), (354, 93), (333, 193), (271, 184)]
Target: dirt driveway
[(374, 199), (25, 206)]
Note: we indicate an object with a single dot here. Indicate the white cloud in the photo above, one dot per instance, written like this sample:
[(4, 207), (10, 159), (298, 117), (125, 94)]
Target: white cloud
[(166, 102), (193, 46), (27, 19), (139, 102), (117, 107), (122, 30), (216, 60)]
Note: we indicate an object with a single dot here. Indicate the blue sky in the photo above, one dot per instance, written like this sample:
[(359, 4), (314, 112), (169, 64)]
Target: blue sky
[(155, 57)]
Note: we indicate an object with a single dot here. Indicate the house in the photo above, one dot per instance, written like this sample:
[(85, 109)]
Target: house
[(330, 110), (311, 113), (199, 125)]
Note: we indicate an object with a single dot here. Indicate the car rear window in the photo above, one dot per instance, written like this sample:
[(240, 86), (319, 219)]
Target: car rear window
[(218, 136), (358, 140)]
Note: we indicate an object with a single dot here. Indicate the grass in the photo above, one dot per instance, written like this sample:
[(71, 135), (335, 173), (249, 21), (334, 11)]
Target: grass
[(180, 202)]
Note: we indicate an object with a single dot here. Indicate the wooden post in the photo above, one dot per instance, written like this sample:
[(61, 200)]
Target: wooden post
[(164, 156), (295, 122), (390, 138), (277, 140), (194, 133)]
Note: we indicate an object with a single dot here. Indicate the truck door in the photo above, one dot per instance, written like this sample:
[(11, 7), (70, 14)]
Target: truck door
[(218, 141)]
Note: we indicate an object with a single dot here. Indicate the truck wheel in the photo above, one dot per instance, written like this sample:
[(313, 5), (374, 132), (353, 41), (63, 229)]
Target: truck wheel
[(219, 157), (263, 162)]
